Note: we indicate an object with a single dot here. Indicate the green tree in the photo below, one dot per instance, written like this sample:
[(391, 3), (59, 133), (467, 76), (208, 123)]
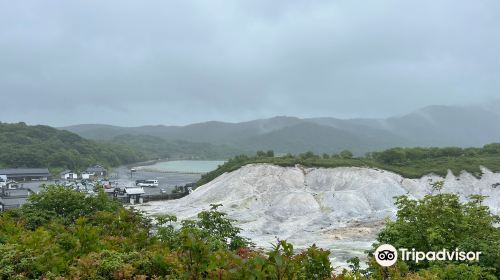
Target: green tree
[(493, 148), (307, 155), (346, 154), (441, 221), (392, 156), (216, 226), (261, 153), (64, 204)]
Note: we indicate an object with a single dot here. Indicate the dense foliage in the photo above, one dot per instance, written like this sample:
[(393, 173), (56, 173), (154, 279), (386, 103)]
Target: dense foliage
[(441, 221), (408, 162), (63, 234), (43, 146), (433, 223)]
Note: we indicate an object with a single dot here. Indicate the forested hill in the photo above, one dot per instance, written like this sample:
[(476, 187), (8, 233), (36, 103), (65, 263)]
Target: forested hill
[(439, 126), (22, 145), (154, 147)]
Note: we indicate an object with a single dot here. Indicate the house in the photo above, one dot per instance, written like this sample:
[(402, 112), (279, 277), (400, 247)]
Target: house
[(10, 199), (87, 175), (68, 175), (26, 174), (7, 203), (134, 195), (97, 171)]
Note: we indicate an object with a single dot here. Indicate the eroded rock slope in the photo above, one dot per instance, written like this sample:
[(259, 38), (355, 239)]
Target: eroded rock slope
[(341, 209)]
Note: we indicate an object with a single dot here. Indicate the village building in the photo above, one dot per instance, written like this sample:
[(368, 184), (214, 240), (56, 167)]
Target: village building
[(97, 171), (26, 174), (134, 195), (87, 176), (68, 175), (13, 198)]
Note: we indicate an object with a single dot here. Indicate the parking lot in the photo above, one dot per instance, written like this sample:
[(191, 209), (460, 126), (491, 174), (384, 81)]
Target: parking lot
[(167, 181)]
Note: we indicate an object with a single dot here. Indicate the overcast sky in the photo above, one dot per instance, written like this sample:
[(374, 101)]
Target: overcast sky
[(177, 62)]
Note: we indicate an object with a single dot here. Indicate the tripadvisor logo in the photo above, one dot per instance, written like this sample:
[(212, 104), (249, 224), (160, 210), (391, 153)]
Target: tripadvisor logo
[(387, 255)]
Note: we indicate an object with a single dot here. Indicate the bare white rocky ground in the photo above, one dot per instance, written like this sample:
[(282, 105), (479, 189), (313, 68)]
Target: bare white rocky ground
[(340, 209)]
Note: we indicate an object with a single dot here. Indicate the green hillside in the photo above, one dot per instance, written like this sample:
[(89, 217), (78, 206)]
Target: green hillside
[(154, 147), (22, 145)]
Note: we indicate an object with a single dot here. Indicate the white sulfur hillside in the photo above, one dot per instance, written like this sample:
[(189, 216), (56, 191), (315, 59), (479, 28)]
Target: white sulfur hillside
[(341, 209)]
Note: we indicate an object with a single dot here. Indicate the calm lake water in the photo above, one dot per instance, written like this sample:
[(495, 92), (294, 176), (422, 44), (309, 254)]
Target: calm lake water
[(184, 166)]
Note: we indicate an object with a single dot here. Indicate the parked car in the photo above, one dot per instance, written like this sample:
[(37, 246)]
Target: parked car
[(137, 182)]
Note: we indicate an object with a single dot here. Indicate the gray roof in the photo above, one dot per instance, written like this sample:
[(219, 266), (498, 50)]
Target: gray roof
[(13, 201), (134, 190), (96, 168), (25, 171), (17, 193)]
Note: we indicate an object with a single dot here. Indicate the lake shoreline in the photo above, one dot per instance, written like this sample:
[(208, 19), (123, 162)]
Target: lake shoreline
[(169, 172), (179, 166)]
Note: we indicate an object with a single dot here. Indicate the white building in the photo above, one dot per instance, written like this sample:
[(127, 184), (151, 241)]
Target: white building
[(87, 175), (69, 175)]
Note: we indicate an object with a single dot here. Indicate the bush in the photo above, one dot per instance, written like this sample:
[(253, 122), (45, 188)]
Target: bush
[(65, 204), (441, 221), (63, 233)]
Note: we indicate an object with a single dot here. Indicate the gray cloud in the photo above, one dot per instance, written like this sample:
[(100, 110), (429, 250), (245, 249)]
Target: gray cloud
[(175, 62)]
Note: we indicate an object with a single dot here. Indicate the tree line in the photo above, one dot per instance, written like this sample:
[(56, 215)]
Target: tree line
[(408, 162), (402, 155)]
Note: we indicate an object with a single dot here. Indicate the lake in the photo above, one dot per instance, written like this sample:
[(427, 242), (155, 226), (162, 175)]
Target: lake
[(184, 166)]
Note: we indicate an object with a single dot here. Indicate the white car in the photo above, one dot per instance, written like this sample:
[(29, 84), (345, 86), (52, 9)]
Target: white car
[(148, 183)]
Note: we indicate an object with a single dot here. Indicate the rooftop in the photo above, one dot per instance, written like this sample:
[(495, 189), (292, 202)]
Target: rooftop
[(16, 193), (17, 201), (25, 171), (95, 168), (134, 191)]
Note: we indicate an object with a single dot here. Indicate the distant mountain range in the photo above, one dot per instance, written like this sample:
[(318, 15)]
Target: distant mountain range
[(431, 126)]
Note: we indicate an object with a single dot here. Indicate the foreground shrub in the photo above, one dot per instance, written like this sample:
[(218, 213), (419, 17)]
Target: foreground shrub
[(63, 233), (107, 241)]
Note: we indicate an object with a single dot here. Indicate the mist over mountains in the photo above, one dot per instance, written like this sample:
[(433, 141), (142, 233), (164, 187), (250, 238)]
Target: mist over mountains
[(430, 126)]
